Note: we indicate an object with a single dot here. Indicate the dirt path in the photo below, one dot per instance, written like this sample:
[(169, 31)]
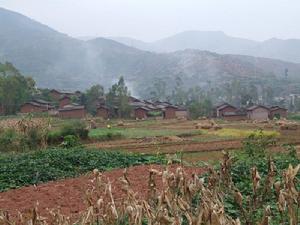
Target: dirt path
[(172, 147), (68, 195)]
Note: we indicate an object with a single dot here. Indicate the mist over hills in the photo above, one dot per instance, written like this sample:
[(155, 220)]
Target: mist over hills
[(219, 42), (56, 60)]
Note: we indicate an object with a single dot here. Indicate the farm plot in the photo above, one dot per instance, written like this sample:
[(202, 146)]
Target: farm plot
[(69, 194), (17, 170), (101, 133), (225, 187)]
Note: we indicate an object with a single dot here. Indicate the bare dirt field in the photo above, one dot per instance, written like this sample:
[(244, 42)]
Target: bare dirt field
[(171, 147), (68, 194)]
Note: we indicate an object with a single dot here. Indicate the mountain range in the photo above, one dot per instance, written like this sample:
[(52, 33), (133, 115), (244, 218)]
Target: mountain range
[(56, 60), (219, 42)]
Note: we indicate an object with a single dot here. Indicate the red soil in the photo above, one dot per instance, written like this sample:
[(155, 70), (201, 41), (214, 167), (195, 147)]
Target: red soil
[(68, 195)]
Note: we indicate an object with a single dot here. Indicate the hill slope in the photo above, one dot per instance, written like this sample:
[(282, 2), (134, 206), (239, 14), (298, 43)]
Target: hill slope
[(56, 60), (219, 42)]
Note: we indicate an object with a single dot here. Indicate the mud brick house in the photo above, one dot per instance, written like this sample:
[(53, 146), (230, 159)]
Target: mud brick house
[(141, 112), (170, 112), (181, 113), (36, 106), (277, 112), (258, 112), (224, 108), (132, 99), (57, 95), (63, 101), (103, 112), (72, 112), (238, 115)]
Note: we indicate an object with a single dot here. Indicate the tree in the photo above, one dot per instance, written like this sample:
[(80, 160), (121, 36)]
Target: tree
[(198, 103), (158, 90), (179, 96), (15, 89), (118, 97), (268, 95), (91, 98), (249, 96)]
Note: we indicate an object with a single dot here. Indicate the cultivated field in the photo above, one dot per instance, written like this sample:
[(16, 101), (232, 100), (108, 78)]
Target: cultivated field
[(54, 170)]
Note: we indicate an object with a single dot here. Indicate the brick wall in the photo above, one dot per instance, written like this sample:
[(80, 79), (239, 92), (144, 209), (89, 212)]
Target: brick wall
[(140, 113), (74, 113), (28, 108)]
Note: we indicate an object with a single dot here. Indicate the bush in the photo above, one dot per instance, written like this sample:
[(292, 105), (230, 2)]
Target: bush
[(12, 140), (75, 128), (8, 140), (256, 143), (70, 141), (109, 136)]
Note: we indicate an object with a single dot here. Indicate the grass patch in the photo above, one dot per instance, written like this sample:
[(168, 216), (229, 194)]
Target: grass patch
[(240, 133), (294, 117), (211, 138), (52, 164), (139, 132)]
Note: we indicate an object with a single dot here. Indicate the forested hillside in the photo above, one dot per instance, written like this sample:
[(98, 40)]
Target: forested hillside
[(56, 60)]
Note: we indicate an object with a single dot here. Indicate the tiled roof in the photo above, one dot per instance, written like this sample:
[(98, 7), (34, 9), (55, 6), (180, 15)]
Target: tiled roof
[(33, 103), (257, 106), (71, 107), (224, 105)]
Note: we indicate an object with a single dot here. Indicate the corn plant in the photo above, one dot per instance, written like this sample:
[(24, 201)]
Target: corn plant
[(185, 199)]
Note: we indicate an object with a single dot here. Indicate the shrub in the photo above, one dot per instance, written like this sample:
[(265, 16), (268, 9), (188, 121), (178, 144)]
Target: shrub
[(109, 136), (55, 137), (256, 143), (70, 141), (75, 128), (8, 140)]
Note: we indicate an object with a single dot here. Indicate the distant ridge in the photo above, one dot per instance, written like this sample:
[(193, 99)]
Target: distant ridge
[(56, 60), (219, 42)]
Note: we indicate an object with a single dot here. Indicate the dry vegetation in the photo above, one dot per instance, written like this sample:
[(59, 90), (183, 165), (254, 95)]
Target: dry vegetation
[(183, 200), (26, 133)]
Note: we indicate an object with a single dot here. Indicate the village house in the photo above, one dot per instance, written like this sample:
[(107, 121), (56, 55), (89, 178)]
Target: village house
[(36, 106), (277, 112), (238, 115), (170, 112), (63, 101), (132, 99), (181, 113), (103, 112), (54, 94), (57, 95), (141, 113), (224, 108), (258, 112), (72, 112)]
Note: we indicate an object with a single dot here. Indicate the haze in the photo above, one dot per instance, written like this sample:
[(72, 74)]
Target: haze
[(149, 20)]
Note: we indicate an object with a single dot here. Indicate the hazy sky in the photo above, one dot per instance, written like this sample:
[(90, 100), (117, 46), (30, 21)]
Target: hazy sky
[(154, 19)]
